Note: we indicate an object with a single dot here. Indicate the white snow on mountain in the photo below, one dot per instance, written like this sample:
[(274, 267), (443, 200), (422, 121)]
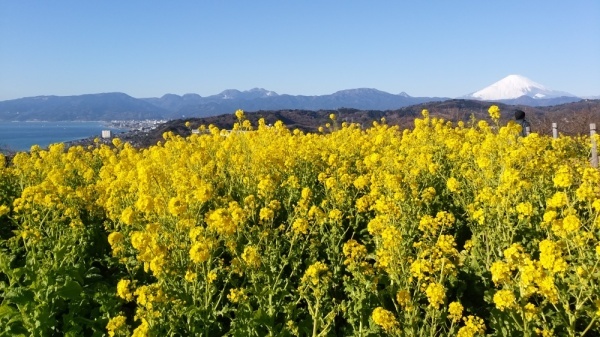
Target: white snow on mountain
[(515, 86)]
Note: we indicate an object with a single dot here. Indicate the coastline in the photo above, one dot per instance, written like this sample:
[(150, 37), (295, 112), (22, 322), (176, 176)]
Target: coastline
[(19, 136)]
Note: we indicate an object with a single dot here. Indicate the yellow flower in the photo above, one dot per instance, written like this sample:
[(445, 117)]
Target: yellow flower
[(200, 251), (452, 184), (116, 324), (479, 216), (435, 294), (468, 245), (513, 255), (500, 272), (361, 182), (306, 193), (504, 299), (123, 290), (266, 214), (237, 295), (335, 215), (142, 330), (559, 199), (211, 276), (117, 142), (596, 205), (549, 216), (403, 297), (544, 332), (494, 112), (446, 244), (300, 226), (525, 210), (385, 319), (316, 273), (455, 311), (531, 311), (551, 257), (428, 194), (547, 288), (4, 210), (562, 178), (128, 216), (220, 221), (353, 251), (420, 268), (177, 206), (190, 276), (473, 326), (239, 114), (571, 223), (251, 256), (114, 238)]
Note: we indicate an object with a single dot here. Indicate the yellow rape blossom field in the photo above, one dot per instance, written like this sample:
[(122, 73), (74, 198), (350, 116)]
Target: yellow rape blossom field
[(443, 229)]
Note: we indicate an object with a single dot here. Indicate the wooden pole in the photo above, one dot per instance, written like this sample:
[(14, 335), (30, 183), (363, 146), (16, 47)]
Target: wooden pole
[(594, 158), (554, 130)]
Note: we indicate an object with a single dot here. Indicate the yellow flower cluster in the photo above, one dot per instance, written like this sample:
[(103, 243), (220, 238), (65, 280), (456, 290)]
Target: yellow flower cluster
[(317, 273), (237, 295), (435, 294), (251, 256), (116, 324), (504, 299), (494, 112), (385, 319), (124, 290), (455, 311), (474, 326)]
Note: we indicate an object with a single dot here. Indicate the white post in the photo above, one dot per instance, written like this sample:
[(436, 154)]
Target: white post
[(594, 158), (527, 130), (554, 130)]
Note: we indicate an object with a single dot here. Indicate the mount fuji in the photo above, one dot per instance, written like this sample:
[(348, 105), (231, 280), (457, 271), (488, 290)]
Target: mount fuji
[(517, 89)]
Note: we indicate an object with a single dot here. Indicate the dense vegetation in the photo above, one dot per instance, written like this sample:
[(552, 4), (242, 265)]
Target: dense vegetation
[(442, 229)]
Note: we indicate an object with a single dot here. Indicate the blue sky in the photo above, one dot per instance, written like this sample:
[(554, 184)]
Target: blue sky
[(425, 48)]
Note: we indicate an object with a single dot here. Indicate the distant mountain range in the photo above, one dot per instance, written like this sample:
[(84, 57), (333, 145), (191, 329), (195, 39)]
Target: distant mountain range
[(514, 89), (119, 106)]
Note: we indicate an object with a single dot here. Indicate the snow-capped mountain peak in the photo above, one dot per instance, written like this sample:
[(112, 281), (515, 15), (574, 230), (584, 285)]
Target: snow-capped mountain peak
[(515, 86)]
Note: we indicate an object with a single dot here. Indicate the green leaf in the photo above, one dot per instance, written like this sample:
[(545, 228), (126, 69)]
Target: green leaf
[(20, 296), (6, 311), (261, 317), (71, 290), (73, 333)]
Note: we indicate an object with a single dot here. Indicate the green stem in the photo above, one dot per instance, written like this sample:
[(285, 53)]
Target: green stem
[(589, 326), (316, 319)]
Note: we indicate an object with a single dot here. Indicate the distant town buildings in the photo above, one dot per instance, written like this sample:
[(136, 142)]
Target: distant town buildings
[(136, 125)]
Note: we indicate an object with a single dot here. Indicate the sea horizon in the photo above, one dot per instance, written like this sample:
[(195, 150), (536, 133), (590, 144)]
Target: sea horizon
[(19, 136)]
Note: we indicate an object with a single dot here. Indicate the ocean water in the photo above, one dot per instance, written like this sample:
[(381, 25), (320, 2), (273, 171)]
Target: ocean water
[(20, 136)]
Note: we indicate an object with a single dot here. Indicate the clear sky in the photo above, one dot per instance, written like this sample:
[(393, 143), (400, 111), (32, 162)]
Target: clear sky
[(424, 48)]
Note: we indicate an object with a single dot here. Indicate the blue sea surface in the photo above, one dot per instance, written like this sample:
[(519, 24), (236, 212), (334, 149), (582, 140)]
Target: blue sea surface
[(20, 136)]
